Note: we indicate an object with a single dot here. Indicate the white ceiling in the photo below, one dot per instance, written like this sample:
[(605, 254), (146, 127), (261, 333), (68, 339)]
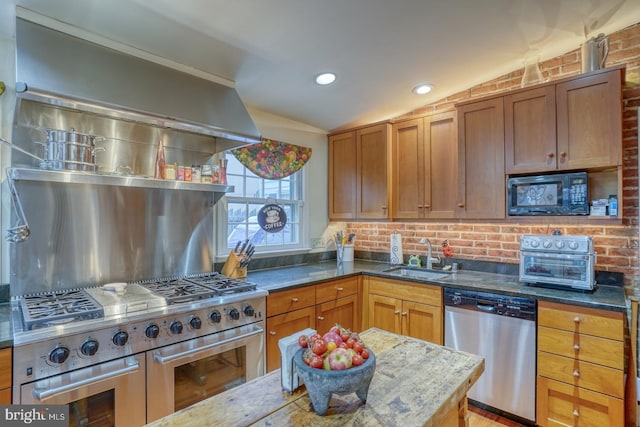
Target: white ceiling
[(380, 49)]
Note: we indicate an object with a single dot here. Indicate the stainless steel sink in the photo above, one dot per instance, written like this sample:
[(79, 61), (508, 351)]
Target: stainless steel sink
[(419, 273)]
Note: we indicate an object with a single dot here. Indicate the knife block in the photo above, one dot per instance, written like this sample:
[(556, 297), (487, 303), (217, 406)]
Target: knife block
[(232, 268)]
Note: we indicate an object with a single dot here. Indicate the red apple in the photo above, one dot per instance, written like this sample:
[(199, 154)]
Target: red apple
[(332, 337), (338, 360)]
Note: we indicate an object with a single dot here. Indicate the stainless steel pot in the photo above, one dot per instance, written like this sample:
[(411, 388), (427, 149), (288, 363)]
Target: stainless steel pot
[(70, 150)]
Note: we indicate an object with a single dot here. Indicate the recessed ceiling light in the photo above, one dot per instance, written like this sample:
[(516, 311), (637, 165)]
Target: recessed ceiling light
[(325, 78), (422, 89)]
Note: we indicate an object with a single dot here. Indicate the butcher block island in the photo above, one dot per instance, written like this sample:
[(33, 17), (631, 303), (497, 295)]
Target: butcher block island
[(416, 383)]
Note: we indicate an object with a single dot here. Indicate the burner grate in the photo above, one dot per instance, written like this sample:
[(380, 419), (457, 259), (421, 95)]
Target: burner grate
[(58, 307)]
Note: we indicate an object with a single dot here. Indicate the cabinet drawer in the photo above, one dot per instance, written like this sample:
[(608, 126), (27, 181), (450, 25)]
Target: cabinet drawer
[(336, 289), (601, 323), (581, 374), (588, 348), (292, 299), (5, 396), (425, 294), (560, 404), (5, 368)]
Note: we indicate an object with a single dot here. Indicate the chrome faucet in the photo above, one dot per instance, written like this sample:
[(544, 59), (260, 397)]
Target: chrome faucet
[(430, 260)]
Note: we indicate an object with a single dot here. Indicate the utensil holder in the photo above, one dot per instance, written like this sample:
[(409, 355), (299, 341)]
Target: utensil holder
[(232, 267)]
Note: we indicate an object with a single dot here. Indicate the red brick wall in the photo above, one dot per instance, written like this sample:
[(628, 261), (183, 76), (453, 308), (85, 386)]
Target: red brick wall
[(617, 245)]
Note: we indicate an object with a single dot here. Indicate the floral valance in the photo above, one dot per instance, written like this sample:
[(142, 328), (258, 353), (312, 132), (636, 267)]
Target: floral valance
[(271, 159)]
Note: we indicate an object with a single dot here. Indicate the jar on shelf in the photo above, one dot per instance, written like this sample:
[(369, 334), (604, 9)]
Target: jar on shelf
[(206, 174), (170, 171), (196, 173)]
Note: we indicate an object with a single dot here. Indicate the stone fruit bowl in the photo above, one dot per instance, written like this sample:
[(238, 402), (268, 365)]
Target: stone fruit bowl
[(322, 383)]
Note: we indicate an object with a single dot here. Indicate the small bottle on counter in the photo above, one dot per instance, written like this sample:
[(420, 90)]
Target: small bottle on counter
[(196, 173), (170, 171), (180, 173)]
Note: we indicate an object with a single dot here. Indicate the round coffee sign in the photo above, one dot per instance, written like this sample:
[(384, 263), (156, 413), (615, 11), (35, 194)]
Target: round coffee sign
[(272, 218)]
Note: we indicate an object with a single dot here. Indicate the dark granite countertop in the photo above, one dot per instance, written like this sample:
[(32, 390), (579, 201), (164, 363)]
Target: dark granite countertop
[(6, 331), (604, 297)]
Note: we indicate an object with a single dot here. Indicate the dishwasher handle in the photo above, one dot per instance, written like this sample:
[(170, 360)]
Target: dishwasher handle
[(486, 306)]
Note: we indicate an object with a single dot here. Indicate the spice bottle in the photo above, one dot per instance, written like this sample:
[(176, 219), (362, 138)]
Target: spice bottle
[(170, 171), (196, 173), (187, 173), (206, 174), (180, 173)]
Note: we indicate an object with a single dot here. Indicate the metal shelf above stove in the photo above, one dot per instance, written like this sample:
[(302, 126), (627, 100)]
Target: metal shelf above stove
[(93, 178)]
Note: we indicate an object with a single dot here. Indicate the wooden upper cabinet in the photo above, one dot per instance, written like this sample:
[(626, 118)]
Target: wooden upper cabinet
[(358, 173), (342, 175), (424, 167), (408, 169), (481, 175), (372, 189), (590, 121), (530, 131)]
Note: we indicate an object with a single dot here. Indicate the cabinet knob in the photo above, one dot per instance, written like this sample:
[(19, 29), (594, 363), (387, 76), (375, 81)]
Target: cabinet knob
[(420, 206), (576, 347), (384, 208), (551, 155), (320, 317), (563, 154), (396, 312), (339, 289), (294, 299), (576, 373), (272, 332), (576, 413), (427, 206), (576, 319), (461, 205), (404, 313)]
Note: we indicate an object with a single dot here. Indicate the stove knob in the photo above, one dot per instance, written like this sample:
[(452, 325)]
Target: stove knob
[(215, 317), (573, 245), (234, 314), (559, 244), (195, 322), (176, 327), (547, 244), (120, 338), (152, 331), (89, 347), (59, 354), (249, 311), (535, 243)]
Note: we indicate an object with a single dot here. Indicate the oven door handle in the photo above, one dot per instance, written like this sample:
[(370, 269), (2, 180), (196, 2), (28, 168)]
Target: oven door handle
[(41, 395), (165, 359)]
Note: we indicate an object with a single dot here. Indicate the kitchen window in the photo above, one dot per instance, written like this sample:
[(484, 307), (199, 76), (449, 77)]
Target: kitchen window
[(241, 207)]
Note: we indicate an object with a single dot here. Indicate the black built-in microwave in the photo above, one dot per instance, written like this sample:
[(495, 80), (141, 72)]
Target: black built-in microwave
[(558, 194)]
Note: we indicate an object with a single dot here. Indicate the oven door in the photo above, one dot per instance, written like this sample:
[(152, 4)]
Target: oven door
[(182, 374), (107, 394), (564, 270)]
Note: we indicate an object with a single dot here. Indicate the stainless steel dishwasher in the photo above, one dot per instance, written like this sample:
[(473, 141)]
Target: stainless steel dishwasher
[(502, 329)]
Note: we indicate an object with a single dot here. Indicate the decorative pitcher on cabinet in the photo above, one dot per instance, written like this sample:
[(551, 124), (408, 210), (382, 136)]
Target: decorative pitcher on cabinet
[(594, 53)]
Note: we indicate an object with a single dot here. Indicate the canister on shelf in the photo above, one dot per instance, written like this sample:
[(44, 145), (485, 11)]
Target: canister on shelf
[(180, 173), (196, 173), (170, 171), (215, 176), (206, 174), (187, 173)]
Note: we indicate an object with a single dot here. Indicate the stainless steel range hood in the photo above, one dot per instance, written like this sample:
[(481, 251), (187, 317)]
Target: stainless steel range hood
[(63, 70)]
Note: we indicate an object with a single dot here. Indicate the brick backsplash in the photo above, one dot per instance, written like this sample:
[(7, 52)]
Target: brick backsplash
[(616, 245)]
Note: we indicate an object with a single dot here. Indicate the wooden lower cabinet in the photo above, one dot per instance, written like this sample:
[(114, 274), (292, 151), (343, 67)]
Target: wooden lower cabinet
[(317, 307), (404, 308), (562, 404), (283, 325), (5, 376), (580, 378)]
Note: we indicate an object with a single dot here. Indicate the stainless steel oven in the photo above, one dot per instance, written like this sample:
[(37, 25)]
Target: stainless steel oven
[(182, 374), (566, 262), (126, 354)]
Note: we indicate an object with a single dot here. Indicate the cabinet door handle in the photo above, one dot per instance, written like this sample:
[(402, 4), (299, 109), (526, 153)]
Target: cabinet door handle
[(576, 347), (461, 205), (384, 208), (294, 299), (420, 206), (426, 206), (563, 154), (320, 317), (576, 319), (396, 312), (272, 332), (576, 373), (339, 289), (404, 313), (576, 413), (551, 155)]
